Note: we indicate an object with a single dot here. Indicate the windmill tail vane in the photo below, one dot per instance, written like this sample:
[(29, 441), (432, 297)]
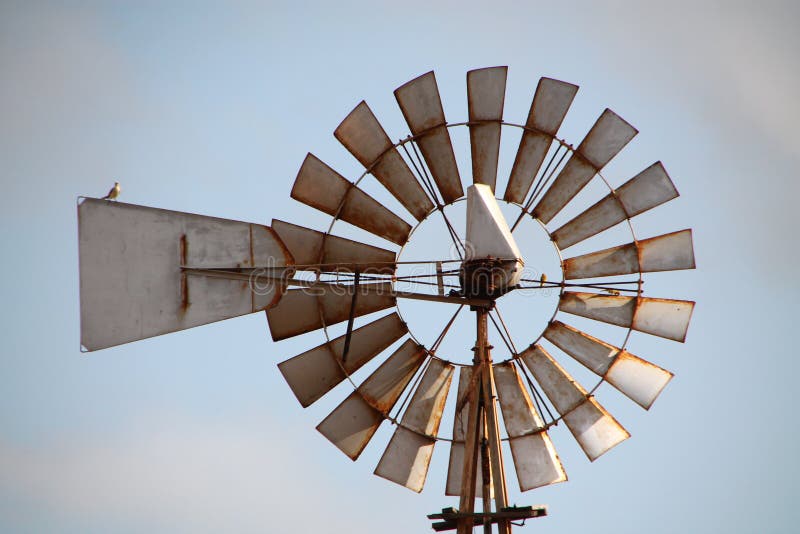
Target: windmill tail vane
[(147, 271)]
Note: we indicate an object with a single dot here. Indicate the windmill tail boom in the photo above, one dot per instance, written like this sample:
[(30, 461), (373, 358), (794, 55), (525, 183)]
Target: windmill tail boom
[(134, 279)]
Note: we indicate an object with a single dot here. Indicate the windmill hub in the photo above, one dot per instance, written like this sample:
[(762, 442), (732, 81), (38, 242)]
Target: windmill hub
[(493, 263)]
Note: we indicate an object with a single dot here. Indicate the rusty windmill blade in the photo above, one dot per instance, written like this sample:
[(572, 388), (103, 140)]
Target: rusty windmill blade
[(486, 92), (362, 134), (408, 455), (421, 105), (353, 423), (314, 307), (315, 372), (609, 134), (548, 109), (320, 187), (318, 251), (639, 380), (535, 459), (647, 190), (665, 318), (668, 252), (595, 430)]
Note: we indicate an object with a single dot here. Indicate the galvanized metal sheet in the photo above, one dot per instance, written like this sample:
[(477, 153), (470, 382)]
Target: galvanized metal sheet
[(617, 310), (131, 283), (313, 373), (548, 109), (314, 250), (362, 134), (488, 233), (648, 189), (623, 259), (320, 187), (660, 317), (604, 214), (311, 308), (353, 423), (640, 380), (535, 459), (422, 107), (486, 92), (669, 252), (609, 134), (409, 452), (455, 464), (595, 355), (664, 317), (595, 430)]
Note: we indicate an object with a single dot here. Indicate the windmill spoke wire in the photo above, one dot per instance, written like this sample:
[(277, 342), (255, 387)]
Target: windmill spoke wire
[(445, 330), (541, 182), (608, 287), (409, 391), (426, 180), (508, 334), (537, 397), (506, 342)]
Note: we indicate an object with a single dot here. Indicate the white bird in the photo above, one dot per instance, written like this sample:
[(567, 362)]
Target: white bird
[(114, 193)]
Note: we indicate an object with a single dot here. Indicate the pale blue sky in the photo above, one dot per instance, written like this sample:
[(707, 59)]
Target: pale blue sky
[(210, 108)]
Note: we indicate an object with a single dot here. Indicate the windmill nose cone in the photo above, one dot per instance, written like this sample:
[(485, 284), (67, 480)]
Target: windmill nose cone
[(494, 263)]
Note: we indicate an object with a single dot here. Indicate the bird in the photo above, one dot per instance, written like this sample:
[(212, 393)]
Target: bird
[(542, 280), (114, 193), (612, 292)]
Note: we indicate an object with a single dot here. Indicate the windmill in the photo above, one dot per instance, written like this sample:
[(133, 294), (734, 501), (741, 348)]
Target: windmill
[(146, 272)]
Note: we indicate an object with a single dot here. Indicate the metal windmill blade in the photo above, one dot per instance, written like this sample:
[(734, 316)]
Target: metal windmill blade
[(146, 272)]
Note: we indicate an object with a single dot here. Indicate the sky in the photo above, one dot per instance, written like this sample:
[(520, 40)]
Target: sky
[(211, 107)]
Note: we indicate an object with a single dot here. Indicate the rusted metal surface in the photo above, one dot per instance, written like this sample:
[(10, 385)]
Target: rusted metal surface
[(617, 310), (665, 318), (460, 423), (595, 430), (317, 251), (320, 187), (299, 310), (313, 373), (497, 473), (362, 134), (353, 423), (668, 252), (609, 134), (648, 189), (639, 380), (548, 109), (595, 355), (408, 455), (422, 108), (131, 283), (486, 92), (535, 459)]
